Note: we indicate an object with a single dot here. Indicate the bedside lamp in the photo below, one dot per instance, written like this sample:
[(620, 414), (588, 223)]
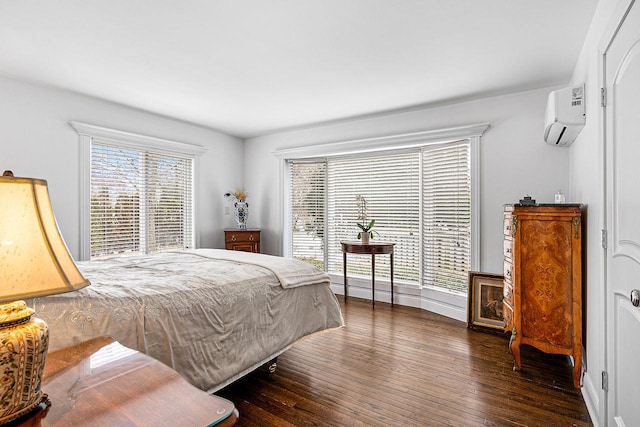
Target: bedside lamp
[(34, 261)]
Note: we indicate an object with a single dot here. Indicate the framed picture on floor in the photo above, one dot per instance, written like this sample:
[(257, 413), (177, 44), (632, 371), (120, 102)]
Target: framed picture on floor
[(485, 301)]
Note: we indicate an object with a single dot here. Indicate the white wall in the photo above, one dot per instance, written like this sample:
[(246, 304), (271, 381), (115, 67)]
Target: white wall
[(36, 141), (514, 161), (586, 185)]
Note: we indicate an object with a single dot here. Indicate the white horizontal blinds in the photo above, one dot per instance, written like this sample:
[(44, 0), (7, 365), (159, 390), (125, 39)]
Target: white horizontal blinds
[(390, 185), (169, 202), (141, 201), (446, 195), (307, 210)]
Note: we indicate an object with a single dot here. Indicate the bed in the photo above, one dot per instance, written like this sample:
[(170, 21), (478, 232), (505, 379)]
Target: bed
[(212, 315)]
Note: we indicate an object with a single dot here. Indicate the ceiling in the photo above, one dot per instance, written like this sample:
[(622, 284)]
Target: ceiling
[(252, 67)]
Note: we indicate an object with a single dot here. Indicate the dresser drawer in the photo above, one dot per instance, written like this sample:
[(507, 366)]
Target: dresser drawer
[(507, 249), (508, 224), (507, 314), (508, 271), (507, 293)]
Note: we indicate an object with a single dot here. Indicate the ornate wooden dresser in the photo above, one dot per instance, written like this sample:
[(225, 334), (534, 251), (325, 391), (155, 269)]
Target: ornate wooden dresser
[(543, 280)]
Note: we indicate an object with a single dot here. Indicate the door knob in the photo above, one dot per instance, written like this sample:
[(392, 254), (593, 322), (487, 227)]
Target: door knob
[(635, 298)]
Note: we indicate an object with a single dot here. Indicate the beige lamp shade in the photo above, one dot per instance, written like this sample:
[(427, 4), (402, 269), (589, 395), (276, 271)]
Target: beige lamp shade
[(34, 260)]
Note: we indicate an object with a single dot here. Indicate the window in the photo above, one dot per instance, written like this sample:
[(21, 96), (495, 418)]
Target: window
[(138, 193), (307, 211), (389, 184), (140, 201), (420, 197), (446, 216)]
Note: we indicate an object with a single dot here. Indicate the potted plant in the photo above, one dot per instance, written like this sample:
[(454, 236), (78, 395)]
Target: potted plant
[(366, 232)]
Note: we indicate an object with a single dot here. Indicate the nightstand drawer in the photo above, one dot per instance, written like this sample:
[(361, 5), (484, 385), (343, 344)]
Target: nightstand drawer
[(241, 236), (242, 240)]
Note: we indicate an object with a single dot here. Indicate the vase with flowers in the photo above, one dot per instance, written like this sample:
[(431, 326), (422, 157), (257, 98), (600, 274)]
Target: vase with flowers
[(364, 224), (241, 206)]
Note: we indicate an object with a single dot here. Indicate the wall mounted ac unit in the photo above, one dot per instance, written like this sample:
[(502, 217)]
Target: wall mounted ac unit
[(565, 116)]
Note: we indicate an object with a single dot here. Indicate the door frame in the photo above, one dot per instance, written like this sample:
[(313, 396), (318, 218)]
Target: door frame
[(617, 18)]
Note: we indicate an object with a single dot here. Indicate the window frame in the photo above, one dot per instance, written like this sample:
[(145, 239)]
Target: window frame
[(438, 300), (88, 132)]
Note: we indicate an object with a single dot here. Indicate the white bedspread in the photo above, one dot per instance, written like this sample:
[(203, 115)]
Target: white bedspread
[(212, 315), (290, 272)]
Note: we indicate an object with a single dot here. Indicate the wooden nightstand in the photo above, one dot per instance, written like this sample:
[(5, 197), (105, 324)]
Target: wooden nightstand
[(247, 240), (102, 383)]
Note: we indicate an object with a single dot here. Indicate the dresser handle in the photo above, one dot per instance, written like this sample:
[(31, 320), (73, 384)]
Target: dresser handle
[(233, 238), (251, 238), (635, 298)]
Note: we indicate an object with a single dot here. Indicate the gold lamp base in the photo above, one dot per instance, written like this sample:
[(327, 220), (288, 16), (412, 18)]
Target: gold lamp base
[(23, 350)]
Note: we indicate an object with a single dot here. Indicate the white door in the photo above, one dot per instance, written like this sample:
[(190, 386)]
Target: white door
[(622, 140)]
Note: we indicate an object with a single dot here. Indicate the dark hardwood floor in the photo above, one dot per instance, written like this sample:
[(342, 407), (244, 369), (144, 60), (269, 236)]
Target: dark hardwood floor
[(402, 366)]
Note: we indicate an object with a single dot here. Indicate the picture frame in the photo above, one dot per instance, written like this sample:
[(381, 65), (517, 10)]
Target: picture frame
[(485, 302)]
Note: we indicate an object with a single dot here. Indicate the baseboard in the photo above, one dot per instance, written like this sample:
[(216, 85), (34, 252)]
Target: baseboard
[(446, 304), (444, 309)]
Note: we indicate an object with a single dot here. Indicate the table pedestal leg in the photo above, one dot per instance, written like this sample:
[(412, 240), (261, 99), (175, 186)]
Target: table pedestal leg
[(391, 278), (344, 267), (373, 280)]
